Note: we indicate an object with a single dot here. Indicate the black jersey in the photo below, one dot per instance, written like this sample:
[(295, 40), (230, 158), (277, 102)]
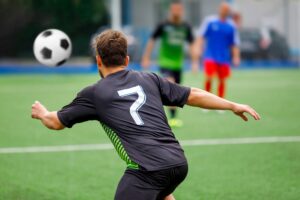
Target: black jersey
[(173, 38), (129, 105)]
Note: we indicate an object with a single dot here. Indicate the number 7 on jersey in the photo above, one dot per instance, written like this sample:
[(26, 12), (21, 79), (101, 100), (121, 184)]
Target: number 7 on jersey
[(139, 102)]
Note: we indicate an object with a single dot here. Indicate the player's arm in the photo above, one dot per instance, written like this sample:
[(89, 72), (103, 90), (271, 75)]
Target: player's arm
[(146, 59), (202, 33), (81, 109), (147, 54), (203, 99), (236, 55), (197, 50), (192, 49), (177, 95), (198, 46), (199, 42), (49, 119)]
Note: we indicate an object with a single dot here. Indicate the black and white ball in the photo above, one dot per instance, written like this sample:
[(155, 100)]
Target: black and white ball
[(52, 47)]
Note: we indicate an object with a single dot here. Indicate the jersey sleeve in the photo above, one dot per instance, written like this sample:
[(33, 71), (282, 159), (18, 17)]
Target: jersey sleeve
[(79, 110), (189, 35), (172, 94), (157, 32), (236, 37), (203, 29)]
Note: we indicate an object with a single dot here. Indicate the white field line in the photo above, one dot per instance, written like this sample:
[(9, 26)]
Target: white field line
[(200, 142)]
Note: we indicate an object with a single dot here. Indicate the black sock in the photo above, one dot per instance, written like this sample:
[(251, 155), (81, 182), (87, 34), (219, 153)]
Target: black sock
[(172, 113)]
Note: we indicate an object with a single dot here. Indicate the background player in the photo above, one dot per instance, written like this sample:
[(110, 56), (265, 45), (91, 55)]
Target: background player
[(221, 38), (129, 105), (174, 33)]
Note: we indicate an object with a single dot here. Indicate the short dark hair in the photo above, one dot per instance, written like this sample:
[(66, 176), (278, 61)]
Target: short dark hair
[(111, 46)]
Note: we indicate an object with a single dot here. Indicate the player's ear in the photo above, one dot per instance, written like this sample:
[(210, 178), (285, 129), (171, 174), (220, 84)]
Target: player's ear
[(127, 60), (99, 61)]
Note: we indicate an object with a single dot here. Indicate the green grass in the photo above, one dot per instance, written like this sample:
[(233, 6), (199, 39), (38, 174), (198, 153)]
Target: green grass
[(241, 172)]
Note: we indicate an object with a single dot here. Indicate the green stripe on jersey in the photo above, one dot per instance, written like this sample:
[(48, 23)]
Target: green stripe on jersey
[(119, 147)]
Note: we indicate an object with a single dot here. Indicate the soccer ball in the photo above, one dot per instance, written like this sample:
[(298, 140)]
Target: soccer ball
[(52, 47)]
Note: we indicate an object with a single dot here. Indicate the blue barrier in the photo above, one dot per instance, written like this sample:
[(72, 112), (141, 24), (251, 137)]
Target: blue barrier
[(88, 68)]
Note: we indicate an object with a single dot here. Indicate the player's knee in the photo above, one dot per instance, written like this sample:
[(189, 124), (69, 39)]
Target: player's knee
[(222, 80), (208, 78)]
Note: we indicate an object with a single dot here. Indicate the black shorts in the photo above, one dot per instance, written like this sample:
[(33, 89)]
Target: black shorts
[(154, 185), (176, 75)]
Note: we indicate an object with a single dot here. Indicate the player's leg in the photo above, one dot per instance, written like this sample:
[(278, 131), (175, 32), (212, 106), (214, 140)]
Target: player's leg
[(175, 122), (223, 74), (172, 110), (208, 83), (174, 77), (209, 72), (221, 87), (176, 176), (134, 185)]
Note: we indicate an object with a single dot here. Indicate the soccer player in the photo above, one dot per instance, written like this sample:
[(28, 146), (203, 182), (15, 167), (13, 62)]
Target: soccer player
[(174, 33), (221, 49), (129, 106)]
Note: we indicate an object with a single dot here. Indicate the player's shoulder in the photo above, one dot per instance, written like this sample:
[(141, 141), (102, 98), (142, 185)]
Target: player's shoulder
[(186, 24), (231, 23), (145, 76), (211, 18), (162, 24), (142, 74), (88, 91)]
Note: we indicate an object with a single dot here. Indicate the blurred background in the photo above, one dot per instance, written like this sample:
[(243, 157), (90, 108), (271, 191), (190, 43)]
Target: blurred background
[(270, 30), (37, 163)]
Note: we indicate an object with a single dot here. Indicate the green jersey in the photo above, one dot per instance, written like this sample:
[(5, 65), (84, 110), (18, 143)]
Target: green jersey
[(173, 38)]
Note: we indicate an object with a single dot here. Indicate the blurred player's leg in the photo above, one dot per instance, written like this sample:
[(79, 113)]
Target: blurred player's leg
[(221, 88), (210, 69), (172, 109), (174, 122), (223, 74), (174, 77), (208, 83)]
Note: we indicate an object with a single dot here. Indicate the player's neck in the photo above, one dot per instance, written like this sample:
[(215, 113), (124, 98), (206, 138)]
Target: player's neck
[(223, 18), (111, 70), (175, 21)]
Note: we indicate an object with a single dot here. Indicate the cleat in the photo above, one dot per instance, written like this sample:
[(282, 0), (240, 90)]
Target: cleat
[(175, 123)]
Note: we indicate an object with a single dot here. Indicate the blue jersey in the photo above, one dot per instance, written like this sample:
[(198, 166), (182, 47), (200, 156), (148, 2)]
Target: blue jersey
[(220, 37)]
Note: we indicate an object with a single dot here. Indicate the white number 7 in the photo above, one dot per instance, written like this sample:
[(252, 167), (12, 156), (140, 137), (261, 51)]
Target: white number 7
[(134, 108)]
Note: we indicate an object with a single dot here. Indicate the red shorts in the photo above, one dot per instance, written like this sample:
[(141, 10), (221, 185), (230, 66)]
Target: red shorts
[(212, 68)]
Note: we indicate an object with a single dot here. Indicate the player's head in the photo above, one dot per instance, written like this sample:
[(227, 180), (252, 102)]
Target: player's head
[(236, 15), (111, 50), (224, 10), (176, 11)]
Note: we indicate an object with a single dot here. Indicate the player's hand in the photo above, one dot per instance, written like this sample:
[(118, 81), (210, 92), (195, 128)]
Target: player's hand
[(236, 61), (240, 110), (38, 110), (145, 63)]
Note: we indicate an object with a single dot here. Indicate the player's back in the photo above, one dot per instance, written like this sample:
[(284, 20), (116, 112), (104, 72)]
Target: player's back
[(129, 105)]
